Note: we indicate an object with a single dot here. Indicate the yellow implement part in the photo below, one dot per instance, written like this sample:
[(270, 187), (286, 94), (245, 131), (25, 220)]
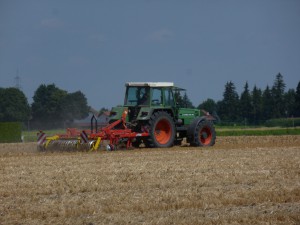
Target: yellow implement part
[(49, 139), (96, 145)]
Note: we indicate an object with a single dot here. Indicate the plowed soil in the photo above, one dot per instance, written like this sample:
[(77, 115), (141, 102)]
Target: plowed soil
[(241, 180)]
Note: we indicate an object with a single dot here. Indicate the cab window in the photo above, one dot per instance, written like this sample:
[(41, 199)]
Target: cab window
[(156, 96), (137, 96), (169, 100)]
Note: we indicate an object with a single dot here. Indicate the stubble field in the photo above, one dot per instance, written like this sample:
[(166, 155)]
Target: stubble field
[(241, 180)]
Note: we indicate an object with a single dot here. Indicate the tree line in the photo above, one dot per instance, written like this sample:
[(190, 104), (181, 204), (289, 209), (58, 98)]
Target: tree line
[(53, 106), (255, 106)]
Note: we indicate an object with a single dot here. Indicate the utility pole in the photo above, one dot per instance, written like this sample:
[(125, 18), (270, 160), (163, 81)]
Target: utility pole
[(18, 81)]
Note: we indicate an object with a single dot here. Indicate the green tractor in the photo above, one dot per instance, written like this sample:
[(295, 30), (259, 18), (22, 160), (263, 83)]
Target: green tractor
[(155, 108)]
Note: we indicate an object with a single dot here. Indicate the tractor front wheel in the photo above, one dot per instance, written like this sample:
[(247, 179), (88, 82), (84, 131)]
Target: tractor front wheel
[(162, 130)]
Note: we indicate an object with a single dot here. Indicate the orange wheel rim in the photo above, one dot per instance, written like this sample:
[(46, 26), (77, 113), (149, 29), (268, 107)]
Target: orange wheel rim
[(163, 131), (205, 135)]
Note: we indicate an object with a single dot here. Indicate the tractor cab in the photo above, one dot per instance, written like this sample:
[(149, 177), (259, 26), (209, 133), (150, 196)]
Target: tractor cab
[(142, 98), (137, 96), (149, 94)]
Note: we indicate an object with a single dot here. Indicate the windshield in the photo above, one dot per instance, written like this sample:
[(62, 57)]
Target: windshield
[(137, 96)]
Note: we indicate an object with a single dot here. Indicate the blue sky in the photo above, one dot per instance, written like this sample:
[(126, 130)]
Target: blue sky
[(97, 46)]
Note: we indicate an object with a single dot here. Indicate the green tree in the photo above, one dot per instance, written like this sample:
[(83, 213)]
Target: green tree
[(52, 106), (297, 101), (278, 96), (257, 106), (183, 101), (178, 98), (187, 102), (2, 91), (246, 103), (47, 104), (208, 105), (102, 110), (228, 108), (290, 102), (13, 105), (74, 106), (267, 104)]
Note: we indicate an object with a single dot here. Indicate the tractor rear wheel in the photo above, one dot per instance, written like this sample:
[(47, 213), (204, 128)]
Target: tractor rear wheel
[(204, 134), (162, 130)]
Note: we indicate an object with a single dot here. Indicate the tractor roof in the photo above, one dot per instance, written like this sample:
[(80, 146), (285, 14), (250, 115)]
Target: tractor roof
[(150, 84)]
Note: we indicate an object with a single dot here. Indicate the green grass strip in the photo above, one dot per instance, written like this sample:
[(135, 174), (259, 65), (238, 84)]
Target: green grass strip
[(262, 132)]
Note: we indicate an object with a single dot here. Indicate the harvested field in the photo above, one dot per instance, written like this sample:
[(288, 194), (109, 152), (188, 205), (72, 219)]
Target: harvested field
[(241, 180)]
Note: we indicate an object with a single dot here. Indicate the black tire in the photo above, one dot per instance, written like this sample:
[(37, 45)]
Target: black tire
[(203, 134), (162, 130)]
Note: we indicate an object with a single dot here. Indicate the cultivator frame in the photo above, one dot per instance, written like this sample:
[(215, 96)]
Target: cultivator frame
[(117, 134)]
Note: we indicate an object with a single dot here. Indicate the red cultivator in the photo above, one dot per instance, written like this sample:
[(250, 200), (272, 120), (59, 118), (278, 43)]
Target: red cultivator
[(121, 137)]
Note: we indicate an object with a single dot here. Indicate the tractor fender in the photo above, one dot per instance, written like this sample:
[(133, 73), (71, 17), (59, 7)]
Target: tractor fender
[(191, 128), (145, 113)]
